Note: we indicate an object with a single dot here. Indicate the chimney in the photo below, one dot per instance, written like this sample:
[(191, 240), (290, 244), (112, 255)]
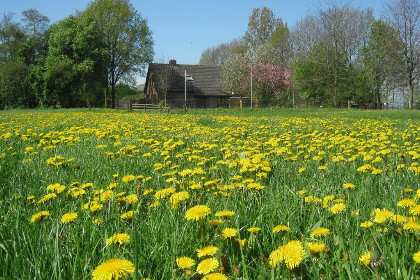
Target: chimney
[(172, 62)]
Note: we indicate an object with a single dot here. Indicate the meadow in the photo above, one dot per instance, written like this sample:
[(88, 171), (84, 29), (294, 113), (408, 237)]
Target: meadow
[(212, 194)]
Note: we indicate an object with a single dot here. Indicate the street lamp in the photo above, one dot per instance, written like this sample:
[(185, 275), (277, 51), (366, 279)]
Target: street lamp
[(187, 78)]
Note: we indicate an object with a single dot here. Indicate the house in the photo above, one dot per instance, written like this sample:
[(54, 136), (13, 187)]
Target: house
[(198, 86)]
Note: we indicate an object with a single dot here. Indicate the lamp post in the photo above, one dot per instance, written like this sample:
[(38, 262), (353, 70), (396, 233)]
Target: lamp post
[(187, 78), (251, 84)]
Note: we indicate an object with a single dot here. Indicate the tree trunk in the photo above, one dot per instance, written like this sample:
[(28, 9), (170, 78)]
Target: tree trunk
[(410, 92)]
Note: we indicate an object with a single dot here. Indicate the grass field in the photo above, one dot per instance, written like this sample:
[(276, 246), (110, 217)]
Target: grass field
[(212, 194)]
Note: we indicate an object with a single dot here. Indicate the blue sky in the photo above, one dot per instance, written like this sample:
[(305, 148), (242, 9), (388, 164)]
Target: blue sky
[(183, 29)]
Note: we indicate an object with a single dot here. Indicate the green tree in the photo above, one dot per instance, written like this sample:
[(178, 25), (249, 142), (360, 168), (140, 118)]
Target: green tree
[(381, 58), (75, 65), (127, 37)]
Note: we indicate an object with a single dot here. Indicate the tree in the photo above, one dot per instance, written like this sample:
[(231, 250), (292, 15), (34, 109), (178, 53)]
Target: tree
[(216, 56), (75, 65), (381, 58), (11, 38), (404, 17), (262, 23), (127, 37)]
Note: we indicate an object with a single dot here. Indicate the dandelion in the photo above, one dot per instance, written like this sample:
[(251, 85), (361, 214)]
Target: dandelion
[(337, 208), (364, 259), (184, 262), (320, 232), (39, 216), (215, 223), (208, 265), (176, 198), (215, 276), (224, 213), (381, 216), (406, 203), (57, 188), (69, 217), (47, 197), (366, 224), (229, 233), (254, 229), (129, 178), (276, 257), (127, 216), (281, 228), (131, 199), (348, 186), (113, 269), (411, 226), (207, 251), (118, 239), (293, 253), (316, 248), (197, 213), (416, 257)]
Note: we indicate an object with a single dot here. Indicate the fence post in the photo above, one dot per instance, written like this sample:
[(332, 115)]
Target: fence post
[(129, 104)]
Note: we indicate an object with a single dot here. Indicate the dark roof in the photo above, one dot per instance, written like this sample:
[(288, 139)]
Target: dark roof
[(206, 79)]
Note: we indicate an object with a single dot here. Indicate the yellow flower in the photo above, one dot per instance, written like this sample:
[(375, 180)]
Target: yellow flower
[(215, 223), (316, 247), (176, 198), (293, 253), (207, 251), (197, 213), (337, 208), (39, 216), (416, 257), (118, 239), (412, 226), (113, 269), (224, 213), (276, 257), (184, 262), (129, 178), (254, 229), (320, 232), (127, 216), (406, 203), (69, 217), (364, 259), (415, 210), (160, 194), (208, 265), (47, 197), (281, 228), (215, 276), (348, 186), (229, 233), (381, 216), (57, 188), (366, 224)]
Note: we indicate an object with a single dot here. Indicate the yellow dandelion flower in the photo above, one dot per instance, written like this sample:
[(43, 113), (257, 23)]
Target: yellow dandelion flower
[(129, 178), (197, 213), (208, 265), (254, 229), (163, 193), (229, 233), (207, 251), (88, 185), (293, 253), (399, 219), (316, 247), (69, 217), (113, 269), (337, 208), (131, 199), (320, 232), (366, 224), (364, 259), (118, 239), (281, 228), (348, 186), (416, 257), (411, 226), (215, 276), (415, 210), (224, 213), (406, 203), (184, 262), (176, 198), (215, 223), (381, 216), (127, 215), (57, 188), (276, 257), (39, 216), (47, 197)]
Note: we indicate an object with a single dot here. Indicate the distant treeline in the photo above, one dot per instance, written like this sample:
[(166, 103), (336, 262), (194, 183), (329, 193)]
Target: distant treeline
[(76, 62), (336, 55)]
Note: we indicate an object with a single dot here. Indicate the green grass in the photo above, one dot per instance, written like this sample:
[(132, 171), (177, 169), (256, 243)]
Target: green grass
[(218, 142)]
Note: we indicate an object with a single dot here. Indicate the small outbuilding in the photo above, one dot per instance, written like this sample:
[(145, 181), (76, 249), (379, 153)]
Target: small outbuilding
[(197, 86)]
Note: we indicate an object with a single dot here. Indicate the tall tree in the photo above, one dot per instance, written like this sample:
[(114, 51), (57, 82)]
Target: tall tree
[(127, 37), (381, 58), (404, 16), (75, 64)]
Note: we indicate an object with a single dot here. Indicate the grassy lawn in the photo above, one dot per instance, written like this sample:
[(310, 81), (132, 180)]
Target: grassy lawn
[(281, 194)]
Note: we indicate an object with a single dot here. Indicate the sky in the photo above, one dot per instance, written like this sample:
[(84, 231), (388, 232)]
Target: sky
[(183, 29)]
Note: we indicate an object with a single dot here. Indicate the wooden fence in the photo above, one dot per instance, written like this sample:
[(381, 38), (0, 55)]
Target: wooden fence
[(145, 107)]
